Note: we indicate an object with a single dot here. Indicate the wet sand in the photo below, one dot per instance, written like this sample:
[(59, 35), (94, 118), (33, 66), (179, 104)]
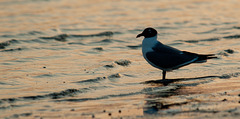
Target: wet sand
[(80, 59)]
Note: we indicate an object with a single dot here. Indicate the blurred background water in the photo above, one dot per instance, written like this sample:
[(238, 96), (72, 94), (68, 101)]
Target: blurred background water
[(71, 58)]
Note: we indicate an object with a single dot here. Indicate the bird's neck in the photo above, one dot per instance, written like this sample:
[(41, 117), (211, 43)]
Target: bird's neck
[(149, 42)]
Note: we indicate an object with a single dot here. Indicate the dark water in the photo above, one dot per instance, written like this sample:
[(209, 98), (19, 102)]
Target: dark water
[(72, 59)]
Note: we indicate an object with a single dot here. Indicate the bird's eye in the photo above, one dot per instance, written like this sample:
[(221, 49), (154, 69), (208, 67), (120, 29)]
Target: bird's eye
[(149, 31)]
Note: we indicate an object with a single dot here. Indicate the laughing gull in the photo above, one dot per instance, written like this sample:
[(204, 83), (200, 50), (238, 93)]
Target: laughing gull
[(165, 57)]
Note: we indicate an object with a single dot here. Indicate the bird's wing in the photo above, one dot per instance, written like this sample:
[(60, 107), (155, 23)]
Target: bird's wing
[(166, 57), (170, 61), (161, 48)]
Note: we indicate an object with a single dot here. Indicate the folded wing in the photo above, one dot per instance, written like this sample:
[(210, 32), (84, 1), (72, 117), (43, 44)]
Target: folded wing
[(170, 61)]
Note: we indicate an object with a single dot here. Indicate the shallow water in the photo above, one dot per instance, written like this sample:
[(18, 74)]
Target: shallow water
[(80, 59)]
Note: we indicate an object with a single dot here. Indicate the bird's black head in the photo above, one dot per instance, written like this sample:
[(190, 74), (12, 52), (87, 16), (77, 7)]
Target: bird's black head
[(148, 32)]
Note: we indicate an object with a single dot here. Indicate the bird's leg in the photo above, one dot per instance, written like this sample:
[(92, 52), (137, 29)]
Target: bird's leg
[(163, 74)]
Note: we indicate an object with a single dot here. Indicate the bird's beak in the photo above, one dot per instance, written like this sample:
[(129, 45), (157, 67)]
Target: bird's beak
[(139, 35)]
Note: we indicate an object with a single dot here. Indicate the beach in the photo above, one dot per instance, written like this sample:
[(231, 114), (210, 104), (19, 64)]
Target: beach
[(73, 59)]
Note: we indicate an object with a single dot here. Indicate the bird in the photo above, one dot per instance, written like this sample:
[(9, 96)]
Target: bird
[(164, 57)]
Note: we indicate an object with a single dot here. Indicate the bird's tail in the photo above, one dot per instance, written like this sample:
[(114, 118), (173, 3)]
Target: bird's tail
[(204, 58)]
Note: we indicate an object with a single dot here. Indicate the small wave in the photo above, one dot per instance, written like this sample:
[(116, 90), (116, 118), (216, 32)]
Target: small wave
[(128, 75), (55, 95), (210, 39), (117, 75), (98, 48), (206, 32), (175, 44), (163, 91), (123, 62), (7, 43), (202, 40), (61, 37), (226, 52), (106, 41), (1, 83), (192, 41), (10, 50), (109, 66), (106, 33), (134, 46), (230, 51), (77, 43), (232, 37), (227, 76), (7, 36), (20, 115), (98, 79), (168, 27), (30, 33), (236, 27), (34, 41), (154, 106), (11, 106), (99, 98)]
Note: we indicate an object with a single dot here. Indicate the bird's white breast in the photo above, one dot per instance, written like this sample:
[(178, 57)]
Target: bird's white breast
[(148, 44)]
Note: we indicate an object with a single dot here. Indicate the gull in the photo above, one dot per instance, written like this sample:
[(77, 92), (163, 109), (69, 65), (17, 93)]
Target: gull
[(165, 57)]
